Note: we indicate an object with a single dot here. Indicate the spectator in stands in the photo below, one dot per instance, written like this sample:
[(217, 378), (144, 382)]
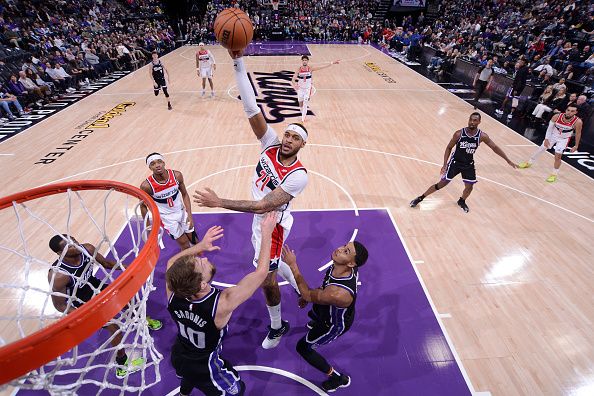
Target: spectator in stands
[(544, 100), (584, 109), (17, 88), (559, 102), (6, 99), (31, 87), (560, 85), (545, 68), (567, 74), (57, 78)]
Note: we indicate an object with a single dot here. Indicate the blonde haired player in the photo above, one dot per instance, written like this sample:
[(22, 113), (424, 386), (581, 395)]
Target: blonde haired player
[(167, 188), (278, 178), (303, 83), (561, 128), (205, 66)]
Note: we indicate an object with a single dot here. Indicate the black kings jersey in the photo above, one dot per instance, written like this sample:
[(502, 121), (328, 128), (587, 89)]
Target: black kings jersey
[(467, 146), (158, 72), (335, 316), (195, 323), (83, 283)]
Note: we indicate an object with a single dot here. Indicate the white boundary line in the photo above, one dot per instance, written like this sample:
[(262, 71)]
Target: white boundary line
[(272, 370), (435, 313)]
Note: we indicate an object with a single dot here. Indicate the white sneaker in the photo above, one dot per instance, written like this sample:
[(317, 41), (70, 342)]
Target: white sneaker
[(499, 111), (274, 335), (203, 92), (212, 94), (510, 116)]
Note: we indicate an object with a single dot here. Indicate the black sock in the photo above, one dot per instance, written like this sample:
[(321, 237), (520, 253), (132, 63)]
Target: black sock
[(312, 357), (461, 200), (121, 360), (422, 196)]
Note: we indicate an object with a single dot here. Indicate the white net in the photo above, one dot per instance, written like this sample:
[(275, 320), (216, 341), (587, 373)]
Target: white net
[(33, 295)]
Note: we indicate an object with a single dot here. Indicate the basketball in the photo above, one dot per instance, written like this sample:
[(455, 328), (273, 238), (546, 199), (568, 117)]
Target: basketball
[(233, 29)]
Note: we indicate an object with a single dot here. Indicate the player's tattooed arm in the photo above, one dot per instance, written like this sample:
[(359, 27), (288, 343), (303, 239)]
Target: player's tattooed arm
[(331, 295), (489, 142), (270, 202)]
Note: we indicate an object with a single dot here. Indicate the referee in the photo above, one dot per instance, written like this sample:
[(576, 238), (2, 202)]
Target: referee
[(482, 79)]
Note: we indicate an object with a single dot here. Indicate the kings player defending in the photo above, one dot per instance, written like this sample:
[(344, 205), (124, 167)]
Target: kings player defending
[(205, 66), (167, 188), (278, 178), (303, 83)]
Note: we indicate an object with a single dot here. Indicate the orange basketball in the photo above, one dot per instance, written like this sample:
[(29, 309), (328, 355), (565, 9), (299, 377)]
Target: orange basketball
[(233, 29)]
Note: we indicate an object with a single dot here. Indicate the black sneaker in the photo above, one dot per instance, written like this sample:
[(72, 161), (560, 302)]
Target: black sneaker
[(335, 382), (274, 335), (416, 201), (169, 106), (310, 324), (462, 203)]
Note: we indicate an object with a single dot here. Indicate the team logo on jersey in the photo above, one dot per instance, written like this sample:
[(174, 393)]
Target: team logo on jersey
[(378, 70), (277, 95)]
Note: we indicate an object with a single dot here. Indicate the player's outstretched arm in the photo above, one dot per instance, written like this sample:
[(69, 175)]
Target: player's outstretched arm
[(58, 283), (234, 296), (489, 142), (273, 200), (105, 263), (185, 197), (250, 106), (316, 68), (205, 245), (448, 150), (145, 186), (331, 295)]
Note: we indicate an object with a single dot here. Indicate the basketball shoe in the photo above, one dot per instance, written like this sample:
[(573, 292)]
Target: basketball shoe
[(274, 335), (335, 382)]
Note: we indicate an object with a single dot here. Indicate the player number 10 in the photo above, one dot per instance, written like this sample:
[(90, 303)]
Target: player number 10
[(197, 338)]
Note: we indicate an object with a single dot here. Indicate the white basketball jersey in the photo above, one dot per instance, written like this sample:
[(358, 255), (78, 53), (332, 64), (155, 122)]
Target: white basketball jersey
[(205, 59), (271, 173), (167, 195), (565, 128), (304, 76)]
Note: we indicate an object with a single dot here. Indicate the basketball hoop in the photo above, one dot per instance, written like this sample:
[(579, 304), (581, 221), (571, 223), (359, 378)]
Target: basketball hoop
[(275, 4), (31, 354)]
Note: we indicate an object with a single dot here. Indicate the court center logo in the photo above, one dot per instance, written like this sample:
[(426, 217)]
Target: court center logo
[(380, 72), (83, 131), (276, 93)]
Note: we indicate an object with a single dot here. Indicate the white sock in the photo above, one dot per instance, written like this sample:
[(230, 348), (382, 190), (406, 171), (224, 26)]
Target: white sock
[(275, 316), (304, 111), (555, 171), (541, 149), (285, 272)]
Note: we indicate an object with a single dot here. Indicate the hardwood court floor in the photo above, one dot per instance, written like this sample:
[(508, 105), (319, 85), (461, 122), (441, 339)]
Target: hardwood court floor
[(512, 279)]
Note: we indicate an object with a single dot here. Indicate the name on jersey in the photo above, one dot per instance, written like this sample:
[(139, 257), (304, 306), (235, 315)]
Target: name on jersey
[(190, 316), (167, 194), (378, 70), (467, 145), (83, 133), (266, 175), (276, 93)]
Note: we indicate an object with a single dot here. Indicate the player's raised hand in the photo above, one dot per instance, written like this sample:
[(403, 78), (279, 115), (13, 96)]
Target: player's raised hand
[(235, 54), (268, 223), (213, 234), (289, 256), (207, 198)]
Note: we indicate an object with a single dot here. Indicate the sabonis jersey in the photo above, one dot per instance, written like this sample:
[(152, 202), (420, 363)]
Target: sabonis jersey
[(195, 323), (466, 147), (330, 315)]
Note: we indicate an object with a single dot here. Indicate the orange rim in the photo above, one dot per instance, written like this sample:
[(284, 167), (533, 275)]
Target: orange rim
[(29, 353)]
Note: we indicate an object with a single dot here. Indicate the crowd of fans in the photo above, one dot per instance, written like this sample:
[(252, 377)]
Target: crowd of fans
[(325, 20), (48, 49)]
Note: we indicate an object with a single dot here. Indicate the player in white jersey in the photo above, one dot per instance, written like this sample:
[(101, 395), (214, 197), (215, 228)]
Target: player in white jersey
[(279, 177), (167, 188), (303, 83), (561, 128), (205, 66)]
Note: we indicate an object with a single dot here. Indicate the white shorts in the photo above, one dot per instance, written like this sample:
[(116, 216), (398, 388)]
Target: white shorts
[(176, 224), (206, 72), (279, 236), (304, 93), (556, 140)]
